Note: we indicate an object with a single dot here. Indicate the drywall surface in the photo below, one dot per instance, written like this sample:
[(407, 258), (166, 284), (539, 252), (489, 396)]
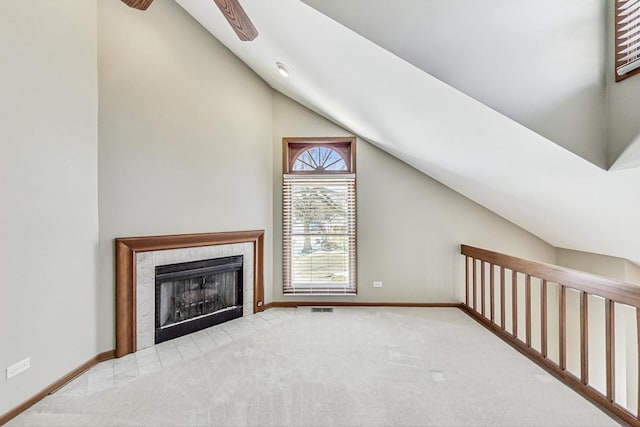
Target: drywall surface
[(185, 136), (623, 131), (409, 226), (624, 123), (601, 265), (48, 191), (539, 62), (632, 273)]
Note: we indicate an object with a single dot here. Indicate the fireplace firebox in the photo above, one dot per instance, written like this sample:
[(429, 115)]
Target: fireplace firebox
[(195, 295)]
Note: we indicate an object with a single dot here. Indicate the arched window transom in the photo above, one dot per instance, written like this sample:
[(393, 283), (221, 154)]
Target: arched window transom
[(320, 159)]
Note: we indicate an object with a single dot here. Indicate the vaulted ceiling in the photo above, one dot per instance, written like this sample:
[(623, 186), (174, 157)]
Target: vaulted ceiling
[(541, 63), (506, 103)]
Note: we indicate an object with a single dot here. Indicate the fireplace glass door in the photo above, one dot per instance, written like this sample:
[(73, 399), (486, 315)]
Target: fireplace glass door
[(195, 295)]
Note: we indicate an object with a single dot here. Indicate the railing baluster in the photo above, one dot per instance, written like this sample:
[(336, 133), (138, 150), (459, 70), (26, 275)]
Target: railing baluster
[(543, 318), (502, 300), (584, 337), (611, 348), (492, 293), (475, 289), (563, 327), (482, 293), (613, 292), (466, 280), (514, 303), (527, 310), (638, 359)]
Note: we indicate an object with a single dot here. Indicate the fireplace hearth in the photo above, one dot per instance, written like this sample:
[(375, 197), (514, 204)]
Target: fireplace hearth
[(138, 257), (191, 296)]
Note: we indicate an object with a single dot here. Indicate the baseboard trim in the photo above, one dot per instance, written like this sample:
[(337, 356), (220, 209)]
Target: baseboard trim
[(57, 385), (284, 304)]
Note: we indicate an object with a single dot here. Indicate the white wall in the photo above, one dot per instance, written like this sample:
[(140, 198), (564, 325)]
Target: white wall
[(48, 191), (601, 265), (632, 273), (185, 136), (624, 123), (410, 227), (623, 106)]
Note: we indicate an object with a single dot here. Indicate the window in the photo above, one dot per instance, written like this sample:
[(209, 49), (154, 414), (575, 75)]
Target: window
[(319, 216), (627, 38)]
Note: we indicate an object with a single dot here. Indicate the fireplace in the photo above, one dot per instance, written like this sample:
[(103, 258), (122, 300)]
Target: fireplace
[(190, 296), (137, 258)]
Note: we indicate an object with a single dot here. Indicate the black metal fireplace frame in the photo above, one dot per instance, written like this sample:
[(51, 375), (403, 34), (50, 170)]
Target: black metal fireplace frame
[(192, 269)]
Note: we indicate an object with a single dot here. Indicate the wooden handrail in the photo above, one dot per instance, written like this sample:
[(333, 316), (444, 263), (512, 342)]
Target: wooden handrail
[(615, 290), (612, 291)]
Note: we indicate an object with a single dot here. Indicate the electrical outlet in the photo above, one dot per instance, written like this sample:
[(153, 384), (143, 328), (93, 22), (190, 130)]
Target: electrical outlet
[(377, 284), (18, 368)]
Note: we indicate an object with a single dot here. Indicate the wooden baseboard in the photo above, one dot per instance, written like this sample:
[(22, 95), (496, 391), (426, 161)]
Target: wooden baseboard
[(612, 409), (282, 304), (4, 418)]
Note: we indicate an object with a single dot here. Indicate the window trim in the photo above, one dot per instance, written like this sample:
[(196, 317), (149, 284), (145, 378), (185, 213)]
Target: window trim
[(292, 148)]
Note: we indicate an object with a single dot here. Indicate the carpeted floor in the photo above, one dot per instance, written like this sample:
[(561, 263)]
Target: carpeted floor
[(351, 367)]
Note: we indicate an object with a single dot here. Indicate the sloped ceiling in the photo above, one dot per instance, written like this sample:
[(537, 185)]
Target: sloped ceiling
[(539, 62), (475, 150)]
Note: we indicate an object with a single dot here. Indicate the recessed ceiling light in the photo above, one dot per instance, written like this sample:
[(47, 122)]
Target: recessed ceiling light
[(282, 69)]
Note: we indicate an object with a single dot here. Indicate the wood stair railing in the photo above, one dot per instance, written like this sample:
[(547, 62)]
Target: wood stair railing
[(510, 283)]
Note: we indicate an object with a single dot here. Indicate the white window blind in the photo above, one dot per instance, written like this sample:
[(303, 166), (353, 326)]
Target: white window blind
[(319, 234), (627, 38)]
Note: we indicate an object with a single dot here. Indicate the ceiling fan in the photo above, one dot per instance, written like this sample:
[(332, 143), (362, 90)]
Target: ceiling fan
[(231, 9)]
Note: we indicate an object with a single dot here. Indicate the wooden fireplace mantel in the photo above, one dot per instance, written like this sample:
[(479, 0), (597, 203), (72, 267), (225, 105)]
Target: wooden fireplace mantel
[(126, 250)]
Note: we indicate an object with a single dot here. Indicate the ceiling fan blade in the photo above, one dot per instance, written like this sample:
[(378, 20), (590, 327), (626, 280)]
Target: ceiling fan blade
[(238, 19), (138, 4)]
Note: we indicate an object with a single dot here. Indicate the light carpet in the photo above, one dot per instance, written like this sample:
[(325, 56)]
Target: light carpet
[(352, 367)]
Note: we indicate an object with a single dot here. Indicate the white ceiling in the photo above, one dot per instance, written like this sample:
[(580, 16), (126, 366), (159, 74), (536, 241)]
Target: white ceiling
[(515, 172), (539, 62)]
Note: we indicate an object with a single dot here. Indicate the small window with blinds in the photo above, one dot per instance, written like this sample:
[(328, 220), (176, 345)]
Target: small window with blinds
[(319, 216), (627, 38)]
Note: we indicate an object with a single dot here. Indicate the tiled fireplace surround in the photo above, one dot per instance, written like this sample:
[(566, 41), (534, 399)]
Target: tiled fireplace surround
[(146, 263), (137, 257)]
